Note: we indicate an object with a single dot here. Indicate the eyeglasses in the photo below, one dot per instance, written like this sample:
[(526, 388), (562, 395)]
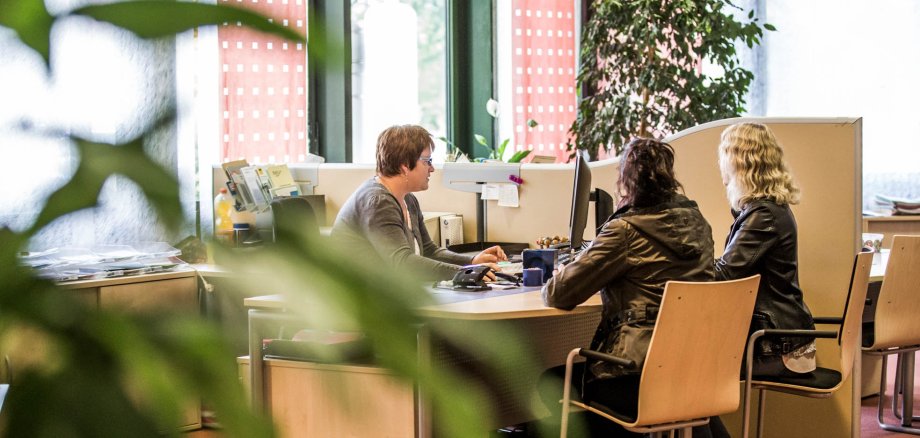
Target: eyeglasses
[(429, 161)]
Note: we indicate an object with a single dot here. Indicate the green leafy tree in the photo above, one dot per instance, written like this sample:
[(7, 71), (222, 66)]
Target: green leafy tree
[(100, 372), (642, 74)]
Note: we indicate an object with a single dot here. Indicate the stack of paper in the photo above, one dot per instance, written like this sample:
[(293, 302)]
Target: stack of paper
[(898, 206)]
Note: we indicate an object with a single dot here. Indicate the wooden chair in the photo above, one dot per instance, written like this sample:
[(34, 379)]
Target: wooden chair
[(823, 382), (691, 369), (897, 329)]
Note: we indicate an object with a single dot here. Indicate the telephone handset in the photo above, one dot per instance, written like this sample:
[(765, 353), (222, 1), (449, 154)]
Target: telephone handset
[(471, 278)]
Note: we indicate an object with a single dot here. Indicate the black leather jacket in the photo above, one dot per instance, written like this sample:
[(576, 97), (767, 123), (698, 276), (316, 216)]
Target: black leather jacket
[(763, 240), (635, 254)]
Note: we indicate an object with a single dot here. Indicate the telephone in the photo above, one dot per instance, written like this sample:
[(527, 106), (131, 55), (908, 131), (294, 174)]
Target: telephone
[(472, 278)]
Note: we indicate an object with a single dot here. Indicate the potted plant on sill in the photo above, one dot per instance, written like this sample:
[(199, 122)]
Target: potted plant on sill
[(497, 153)]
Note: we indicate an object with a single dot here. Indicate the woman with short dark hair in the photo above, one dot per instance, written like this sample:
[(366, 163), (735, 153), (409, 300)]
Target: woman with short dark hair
[(656, 235), (384, 217)]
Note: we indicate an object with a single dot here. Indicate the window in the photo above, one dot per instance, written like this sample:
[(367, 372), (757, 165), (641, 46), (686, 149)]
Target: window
[(862, 60), (263, 88), (537, 57), (101, 89), (398, 70)]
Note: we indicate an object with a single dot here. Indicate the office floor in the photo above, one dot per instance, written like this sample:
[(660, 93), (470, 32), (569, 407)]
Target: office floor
[(869, 411), (869, 427)]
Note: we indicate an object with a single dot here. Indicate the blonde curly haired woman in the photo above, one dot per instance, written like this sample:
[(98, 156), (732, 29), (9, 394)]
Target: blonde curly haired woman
[(763, 240)]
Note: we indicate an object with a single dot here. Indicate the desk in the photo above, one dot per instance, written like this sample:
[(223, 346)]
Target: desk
[(879, 263), (558, 332), (174, 291), (890, 226)]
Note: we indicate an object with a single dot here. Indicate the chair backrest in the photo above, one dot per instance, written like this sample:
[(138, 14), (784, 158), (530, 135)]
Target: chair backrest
[(897, 312), (293, 218), (848, 338), (694, 358)]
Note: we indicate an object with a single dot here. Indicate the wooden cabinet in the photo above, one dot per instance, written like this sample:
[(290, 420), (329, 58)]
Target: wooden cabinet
[(167, 291), (308, 399)]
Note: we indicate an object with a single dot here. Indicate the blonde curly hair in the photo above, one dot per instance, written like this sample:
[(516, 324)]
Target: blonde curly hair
[(753, 167)]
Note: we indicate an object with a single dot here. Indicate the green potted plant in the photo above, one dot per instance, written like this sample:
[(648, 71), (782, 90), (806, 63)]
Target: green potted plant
[(643, 74), (495, 152)]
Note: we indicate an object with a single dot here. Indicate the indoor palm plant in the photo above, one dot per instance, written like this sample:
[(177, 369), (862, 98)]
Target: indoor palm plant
[(652, 68)]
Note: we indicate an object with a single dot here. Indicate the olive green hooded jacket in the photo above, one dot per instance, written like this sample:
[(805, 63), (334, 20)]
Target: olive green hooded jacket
[(629, 262)]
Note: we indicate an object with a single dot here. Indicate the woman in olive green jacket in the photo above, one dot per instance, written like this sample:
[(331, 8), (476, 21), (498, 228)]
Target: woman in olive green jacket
[(656, 235)]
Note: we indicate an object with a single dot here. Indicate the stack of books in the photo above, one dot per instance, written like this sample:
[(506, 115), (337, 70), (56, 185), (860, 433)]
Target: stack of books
[(898, 206)]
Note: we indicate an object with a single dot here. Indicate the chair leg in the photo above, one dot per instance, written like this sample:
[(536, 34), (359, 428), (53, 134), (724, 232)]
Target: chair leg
[(904, 370), (896, 389), (904, 427), (762, 401), (906, 365), (746, 402), (567, 392), (746, 410), (881, 390)]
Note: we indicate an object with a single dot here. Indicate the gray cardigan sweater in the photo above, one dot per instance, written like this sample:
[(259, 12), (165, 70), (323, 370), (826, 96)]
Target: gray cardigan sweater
[(372, 219)]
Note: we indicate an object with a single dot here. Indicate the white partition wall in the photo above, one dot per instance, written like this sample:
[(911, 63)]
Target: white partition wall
[(545, 197), (825, 157), (545, 202)]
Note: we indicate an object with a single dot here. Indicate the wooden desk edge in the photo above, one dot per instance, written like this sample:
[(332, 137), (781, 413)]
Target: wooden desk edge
[(128, 279), (461, 310)]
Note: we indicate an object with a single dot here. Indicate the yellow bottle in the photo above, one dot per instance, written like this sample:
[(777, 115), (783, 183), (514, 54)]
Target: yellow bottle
[(223, 225)]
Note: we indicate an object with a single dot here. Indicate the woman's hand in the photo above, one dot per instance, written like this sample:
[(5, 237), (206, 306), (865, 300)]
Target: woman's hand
[(490, 255), (493, 268)]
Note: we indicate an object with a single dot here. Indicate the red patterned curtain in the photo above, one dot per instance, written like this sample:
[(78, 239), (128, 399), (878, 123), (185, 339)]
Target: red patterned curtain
[(263, 91), (543, 70)]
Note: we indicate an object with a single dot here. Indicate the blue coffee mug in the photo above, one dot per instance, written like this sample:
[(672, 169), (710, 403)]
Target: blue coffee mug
[(533, 277)]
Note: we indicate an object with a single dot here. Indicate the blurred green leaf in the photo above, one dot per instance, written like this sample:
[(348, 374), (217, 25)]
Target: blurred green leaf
[(31, 22), (159, 18), (518, 156), (501, 149), (98, 161), (769, 27), (450, 145), (531, 123), (481, 140)]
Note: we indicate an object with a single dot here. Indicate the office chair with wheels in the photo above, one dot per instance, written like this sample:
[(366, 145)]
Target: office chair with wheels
[(823, 382), (897, 330), (691, 369)]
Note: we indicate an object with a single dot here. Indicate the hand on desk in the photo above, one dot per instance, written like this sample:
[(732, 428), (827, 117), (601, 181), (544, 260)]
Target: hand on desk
[(490, 276), (490, 255)]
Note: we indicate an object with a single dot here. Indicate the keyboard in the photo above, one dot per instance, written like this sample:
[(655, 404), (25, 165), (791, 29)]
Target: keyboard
[(568, 256), (512, 268)]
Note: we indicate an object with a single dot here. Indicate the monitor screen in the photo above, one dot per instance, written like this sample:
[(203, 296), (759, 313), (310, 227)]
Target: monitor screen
[(581, 197)]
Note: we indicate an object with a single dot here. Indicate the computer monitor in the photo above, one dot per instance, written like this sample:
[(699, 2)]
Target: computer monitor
[(581, 197)]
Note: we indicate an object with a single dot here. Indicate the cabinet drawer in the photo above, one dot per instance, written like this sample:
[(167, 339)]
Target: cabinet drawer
[(174, 295)]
